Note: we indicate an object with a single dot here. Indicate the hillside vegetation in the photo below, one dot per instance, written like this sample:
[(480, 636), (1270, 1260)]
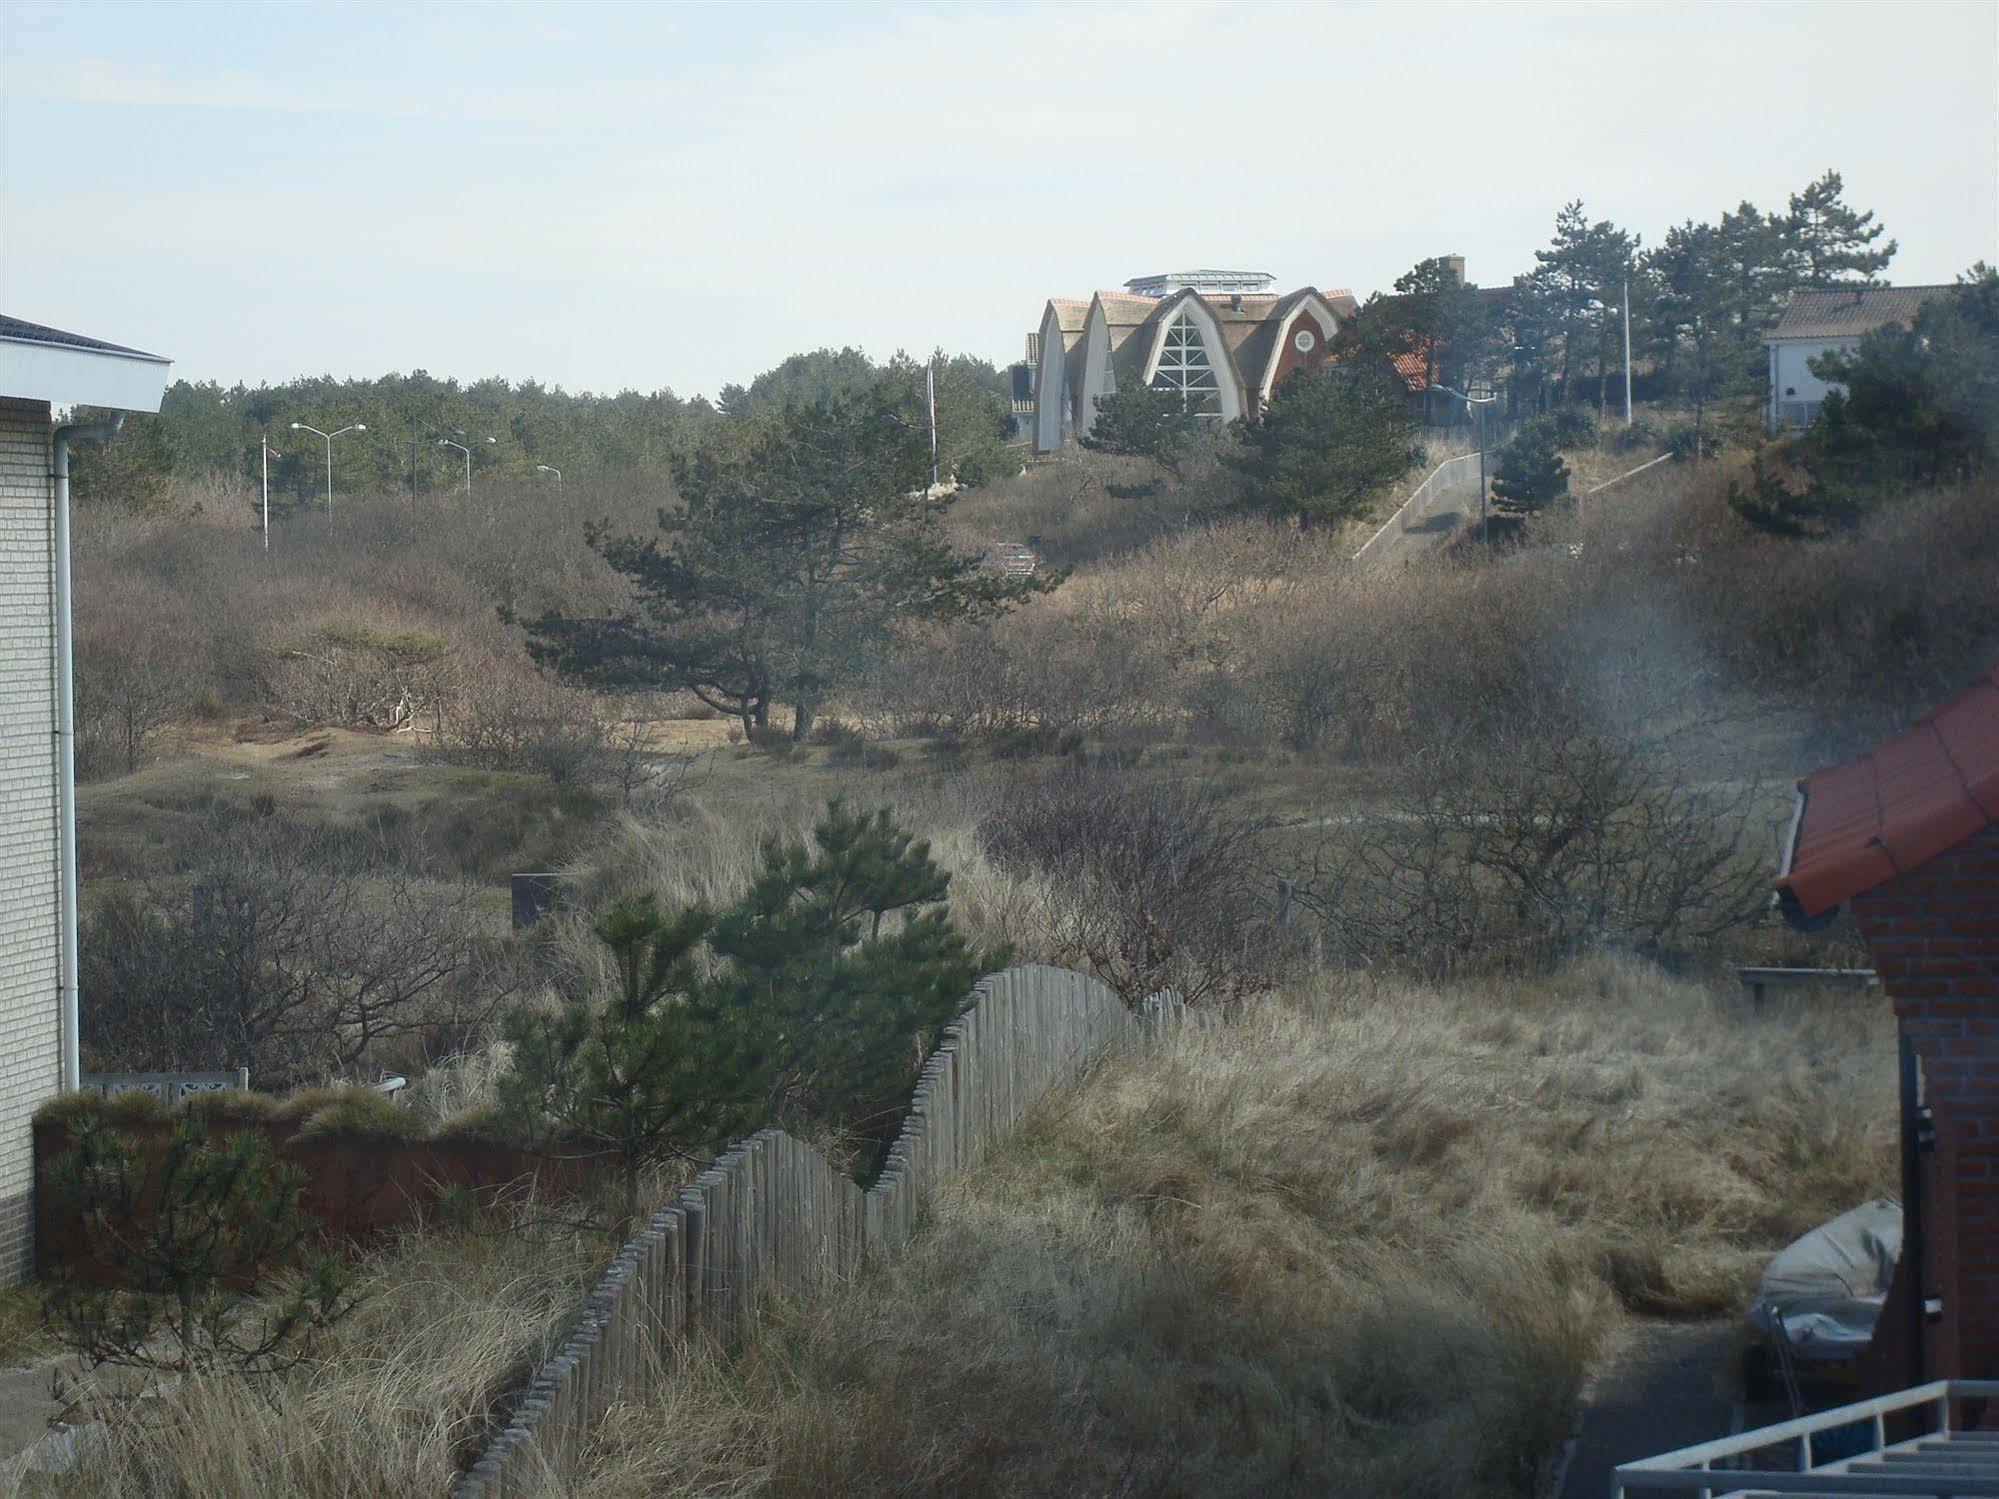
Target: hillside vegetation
[(1451, 858), (1368, 1235)]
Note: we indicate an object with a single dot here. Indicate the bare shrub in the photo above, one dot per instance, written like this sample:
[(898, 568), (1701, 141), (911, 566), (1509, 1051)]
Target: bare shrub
[(509, 716), (136, 673), (358, 675), (1548, 827), (1085, 506), (1152, 883), (297, 952)]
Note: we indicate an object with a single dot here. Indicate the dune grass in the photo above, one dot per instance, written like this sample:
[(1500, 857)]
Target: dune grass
[(1362, 1240)]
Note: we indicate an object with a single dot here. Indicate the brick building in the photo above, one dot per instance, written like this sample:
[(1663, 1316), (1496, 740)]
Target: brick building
[(1907, 836), (43, 372)]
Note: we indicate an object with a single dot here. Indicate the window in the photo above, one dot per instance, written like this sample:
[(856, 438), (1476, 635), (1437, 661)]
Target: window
[(1184, 367)]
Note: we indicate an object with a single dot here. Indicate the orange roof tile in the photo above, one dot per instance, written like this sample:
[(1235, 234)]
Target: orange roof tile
[(1900, 805)]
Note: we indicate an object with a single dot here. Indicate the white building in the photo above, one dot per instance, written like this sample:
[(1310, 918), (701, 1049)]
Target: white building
[(1222, 339), (43, 373), (1825, 320)]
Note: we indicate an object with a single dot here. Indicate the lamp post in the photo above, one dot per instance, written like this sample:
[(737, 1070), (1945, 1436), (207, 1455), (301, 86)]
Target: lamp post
[(445, 442), (329, 436), (264, 442), (1481, 402), (549, 468)]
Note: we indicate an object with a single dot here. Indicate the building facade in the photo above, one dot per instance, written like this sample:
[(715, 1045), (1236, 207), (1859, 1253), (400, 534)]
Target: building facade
[(1222, 340), (42, 372), (1906, 837), (1825, 320)]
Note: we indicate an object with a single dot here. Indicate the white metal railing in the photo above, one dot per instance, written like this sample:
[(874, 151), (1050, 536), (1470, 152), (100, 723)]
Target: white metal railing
[(1929, 1466), (1630, 473), (1446, 475)]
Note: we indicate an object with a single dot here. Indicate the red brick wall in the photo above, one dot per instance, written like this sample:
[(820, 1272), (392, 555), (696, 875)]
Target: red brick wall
[(355, 1189), (1934, 933)]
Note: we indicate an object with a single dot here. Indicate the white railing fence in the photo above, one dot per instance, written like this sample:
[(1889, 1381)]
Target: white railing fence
[(1945, 1462)]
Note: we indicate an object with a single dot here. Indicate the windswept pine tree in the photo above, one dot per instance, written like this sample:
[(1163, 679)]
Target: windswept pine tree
[(804, 538)]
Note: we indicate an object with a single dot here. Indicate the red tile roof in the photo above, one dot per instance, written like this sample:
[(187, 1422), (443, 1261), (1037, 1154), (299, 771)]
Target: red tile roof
[(1414, 368), (1923, 792)]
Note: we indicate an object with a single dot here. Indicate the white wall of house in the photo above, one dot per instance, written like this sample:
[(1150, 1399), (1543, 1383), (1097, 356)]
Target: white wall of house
[(1795, 392), (30, 1018)]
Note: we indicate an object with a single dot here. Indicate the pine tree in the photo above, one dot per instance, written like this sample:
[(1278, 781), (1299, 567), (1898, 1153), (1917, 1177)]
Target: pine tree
[(656, 1068), (1531, 474), (1329, 441), (1143, 421), (814, 1001), (200, 1224), (1828, 241), (846, 950), (803, 537)]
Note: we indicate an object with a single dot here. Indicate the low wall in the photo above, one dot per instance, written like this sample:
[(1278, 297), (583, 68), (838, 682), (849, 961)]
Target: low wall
[(774, 1215), (355, 1188)]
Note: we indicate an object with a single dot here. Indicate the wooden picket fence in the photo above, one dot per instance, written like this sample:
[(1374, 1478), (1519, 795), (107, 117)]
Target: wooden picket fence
[(773, 1214)]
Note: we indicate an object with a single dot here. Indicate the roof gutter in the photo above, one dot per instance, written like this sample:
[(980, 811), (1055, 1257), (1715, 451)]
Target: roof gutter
[(66, 744), (1782, 897)]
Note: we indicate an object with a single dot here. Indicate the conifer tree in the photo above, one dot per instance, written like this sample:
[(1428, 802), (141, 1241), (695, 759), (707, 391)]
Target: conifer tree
[(1531, 474), (656, 1068), (814, 1001), (200, 1224), (1328, 442), (1143, 421), (803, 536), (845, 951), (1828, 241)]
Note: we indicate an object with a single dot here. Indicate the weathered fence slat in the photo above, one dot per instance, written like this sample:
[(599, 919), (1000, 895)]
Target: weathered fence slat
[(773, 1215)]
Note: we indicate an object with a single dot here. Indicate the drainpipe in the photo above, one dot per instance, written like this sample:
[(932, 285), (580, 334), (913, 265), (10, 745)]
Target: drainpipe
[(66, 744)]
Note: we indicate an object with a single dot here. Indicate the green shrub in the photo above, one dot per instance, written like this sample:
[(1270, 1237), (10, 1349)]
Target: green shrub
[(128, 1106), (238, 1104), (480, 1122), (205, 1229), (361, 1114)]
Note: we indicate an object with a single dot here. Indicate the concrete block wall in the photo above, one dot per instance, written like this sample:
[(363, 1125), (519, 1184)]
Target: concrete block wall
[(29, 1041), (1934, 933)]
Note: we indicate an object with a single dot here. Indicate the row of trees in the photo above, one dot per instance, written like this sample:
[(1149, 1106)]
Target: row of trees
[(207, 435), (1700, 301)]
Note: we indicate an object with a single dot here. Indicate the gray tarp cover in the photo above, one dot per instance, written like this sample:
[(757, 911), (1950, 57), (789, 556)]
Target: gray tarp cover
[(1828, 1286)]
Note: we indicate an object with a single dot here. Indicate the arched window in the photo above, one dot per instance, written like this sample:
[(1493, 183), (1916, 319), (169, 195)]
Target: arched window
[(1184, 367)]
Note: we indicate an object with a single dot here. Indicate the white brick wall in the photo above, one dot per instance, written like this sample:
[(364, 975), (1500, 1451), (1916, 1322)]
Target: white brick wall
[(29, 1041)]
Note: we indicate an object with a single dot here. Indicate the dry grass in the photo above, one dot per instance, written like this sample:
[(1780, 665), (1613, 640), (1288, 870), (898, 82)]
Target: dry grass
[(449, 1322), (1359, 1241)]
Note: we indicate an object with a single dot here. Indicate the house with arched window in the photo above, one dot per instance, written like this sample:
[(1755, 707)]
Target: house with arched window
[(1221, 339)]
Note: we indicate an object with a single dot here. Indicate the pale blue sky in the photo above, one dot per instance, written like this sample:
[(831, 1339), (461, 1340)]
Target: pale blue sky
[(604, 196)]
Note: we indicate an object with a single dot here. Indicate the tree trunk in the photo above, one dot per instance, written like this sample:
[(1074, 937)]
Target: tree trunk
[(801, 722)]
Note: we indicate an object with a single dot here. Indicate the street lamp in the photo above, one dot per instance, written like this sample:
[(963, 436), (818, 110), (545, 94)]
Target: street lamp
[(549, 468), (1484, 525), (329, 436), (445, 442)]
